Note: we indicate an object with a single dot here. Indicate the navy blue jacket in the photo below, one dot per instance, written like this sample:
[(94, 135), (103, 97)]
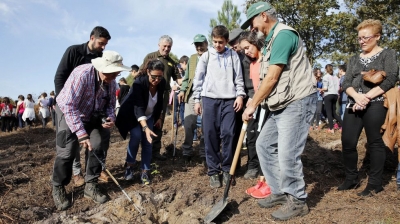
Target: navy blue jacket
[(135, 103)]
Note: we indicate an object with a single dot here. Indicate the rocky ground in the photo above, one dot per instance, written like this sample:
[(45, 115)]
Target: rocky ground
[(180, 192)]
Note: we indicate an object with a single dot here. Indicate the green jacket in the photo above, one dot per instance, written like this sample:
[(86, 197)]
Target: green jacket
[(170, 69), (187, 83)]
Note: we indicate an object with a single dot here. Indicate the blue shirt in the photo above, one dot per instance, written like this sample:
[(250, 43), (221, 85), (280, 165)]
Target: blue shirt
[(319, 95)]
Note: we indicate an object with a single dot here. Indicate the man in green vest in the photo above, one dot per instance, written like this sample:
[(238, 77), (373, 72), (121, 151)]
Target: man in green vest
[(288, 89), (201, 44), (170, 71)]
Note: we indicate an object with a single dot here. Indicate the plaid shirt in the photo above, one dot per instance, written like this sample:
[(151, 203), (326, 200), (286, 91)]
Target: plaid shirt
[(79, 99)]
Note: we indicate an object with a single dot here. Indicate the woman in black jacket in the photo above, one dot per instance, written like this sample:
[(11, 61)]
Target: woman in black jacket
[(365, 109), (139, 113)]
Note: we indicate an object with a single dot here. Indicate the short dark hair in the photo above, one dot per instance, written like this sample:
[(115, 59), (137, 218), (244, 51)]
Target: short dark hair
[(52, 93), (6, 100), (123, 80), (100, 31), (21, 97), (220, 31), (184, 58), (155, 64), (343, 67), (251, 37), (135, 68)]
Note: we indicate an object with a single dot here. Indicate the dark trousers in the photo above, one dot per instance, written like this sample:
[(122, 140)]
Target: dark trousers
[(218, 128), (6, 124), (330, 106), (53, 117), (371, 119), (67, 144)]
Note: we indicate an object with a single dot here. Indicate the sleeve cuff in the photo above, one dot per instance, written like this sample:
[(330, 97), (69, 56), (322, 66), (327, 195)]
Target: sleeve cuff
[(196, 100), (81, 133), (142, 118)]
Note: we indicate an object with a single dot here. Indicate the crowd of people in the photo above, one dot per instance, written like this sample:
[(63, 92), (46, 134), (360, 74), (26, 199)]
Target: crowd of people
[(22, 112), (263, 78)]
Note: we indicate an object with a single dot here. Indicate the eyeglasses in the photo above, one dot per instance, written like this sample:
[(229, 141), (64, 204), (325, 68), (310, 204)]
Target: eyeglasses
[(364, 38), (156, 77)]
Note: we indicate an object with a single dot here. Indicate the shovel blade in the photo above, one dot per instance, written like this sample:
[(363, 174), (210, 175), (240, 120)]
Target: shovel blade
[(216, 210)]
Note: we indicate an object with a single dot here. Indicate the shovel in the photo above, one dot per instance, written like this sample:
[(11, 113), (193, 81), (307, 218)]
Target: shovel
[(219, 207)]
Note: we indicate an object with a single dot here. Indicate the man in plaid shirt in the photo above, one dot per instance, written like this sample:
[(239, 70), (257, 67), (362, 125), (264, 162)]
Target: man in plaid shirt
[(85, 109)]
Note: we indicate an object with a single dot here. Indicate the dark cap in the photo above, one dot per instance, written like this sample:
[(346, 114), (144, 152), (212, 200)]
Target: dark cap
[(235, 33)]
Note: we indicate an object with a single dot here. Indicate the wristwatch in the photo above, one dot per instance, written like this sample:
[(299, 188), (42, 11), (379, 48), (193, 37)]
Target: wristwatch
[(144, 128)]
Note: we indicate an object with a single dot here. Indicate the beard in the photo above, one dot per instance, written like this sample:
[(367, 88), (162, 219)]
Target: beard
[(96, 50), (260, 35)]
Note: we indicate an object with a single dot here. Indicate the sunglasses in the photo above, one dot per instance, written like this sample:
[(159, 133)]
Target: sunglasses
[(156, 77)]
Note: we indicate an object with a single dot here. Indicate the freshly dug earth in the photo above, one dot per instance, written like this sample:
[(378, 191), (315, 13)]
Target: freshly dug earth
[(180, 193)]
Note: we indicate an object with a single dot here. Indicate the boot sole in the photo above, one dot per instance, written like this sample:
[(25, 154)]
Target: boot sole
[(97, 202), (272, 204), (302, 213)]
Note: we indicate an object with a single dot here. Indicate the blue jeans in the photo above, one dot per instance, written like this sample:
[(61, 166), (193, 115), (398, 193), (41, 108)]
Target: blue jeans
[(342, 109), (20, 120), (136, 136), (288, 129)]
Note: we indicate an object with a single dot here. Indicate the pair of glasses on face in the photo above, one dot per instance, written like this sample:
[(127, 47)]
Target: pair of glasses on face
[(156, 77), (365, 38)]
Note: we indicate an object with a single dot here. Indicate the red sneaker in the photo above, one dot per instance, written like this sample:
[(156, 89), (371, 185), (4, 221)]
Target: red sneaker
[(256, 187), (262, 192)]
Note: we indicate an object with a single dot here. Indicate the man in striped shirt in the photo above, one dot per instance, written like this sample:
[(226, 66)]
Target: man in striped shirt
[(87, 104)]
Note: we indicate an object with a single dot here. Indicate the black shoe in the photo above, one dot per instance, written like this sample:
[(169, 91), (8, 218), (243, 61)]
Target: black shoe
[(348, 184), (225, 179), (160, 157), (214, 181), (60, 198), (370, 189), (92, 191), (187, 159), (272, 200), (292, 208)]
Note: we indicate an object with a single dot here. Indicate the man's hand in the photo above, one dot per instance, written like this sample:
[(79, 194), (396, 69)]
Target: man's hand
[(248, 113), (181, 97), (238, 104), (85, 143), (197, 108), (158, 124), (108, 124)]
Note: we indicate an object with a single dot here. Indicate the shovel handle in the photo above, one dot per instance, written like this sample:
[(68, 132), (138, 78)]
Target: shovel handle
[(238, 148)]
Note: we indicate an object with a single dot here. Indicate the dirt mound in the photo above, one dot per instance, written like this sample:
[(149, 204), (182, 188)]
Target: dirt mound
[(180, 192)]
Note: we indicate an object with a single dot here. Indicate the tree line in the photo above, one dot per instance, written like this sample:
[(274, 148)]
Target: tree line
[(327, 27)]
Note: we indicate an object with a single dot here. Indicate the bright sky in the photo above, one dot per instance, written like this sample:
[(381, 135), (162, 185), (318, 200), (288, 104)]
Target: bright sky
[(34, 34)]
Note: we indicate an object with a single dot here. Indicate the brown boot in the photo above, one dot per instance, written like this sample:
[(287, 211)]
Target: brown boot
[(103, 177), (78, 180)]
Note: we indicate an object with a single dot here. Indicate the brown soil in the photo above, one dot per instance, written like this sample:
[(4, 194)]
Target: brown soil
[(180, 193)]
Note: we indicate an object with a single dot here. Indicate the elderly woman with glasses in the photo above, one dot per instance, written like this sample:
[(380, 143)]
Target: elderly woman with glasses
[(365, 108), (139, 113)]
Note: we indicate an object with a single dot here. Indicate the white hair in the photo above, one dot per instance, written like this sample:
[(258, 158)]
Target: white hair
[(165, 38)]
